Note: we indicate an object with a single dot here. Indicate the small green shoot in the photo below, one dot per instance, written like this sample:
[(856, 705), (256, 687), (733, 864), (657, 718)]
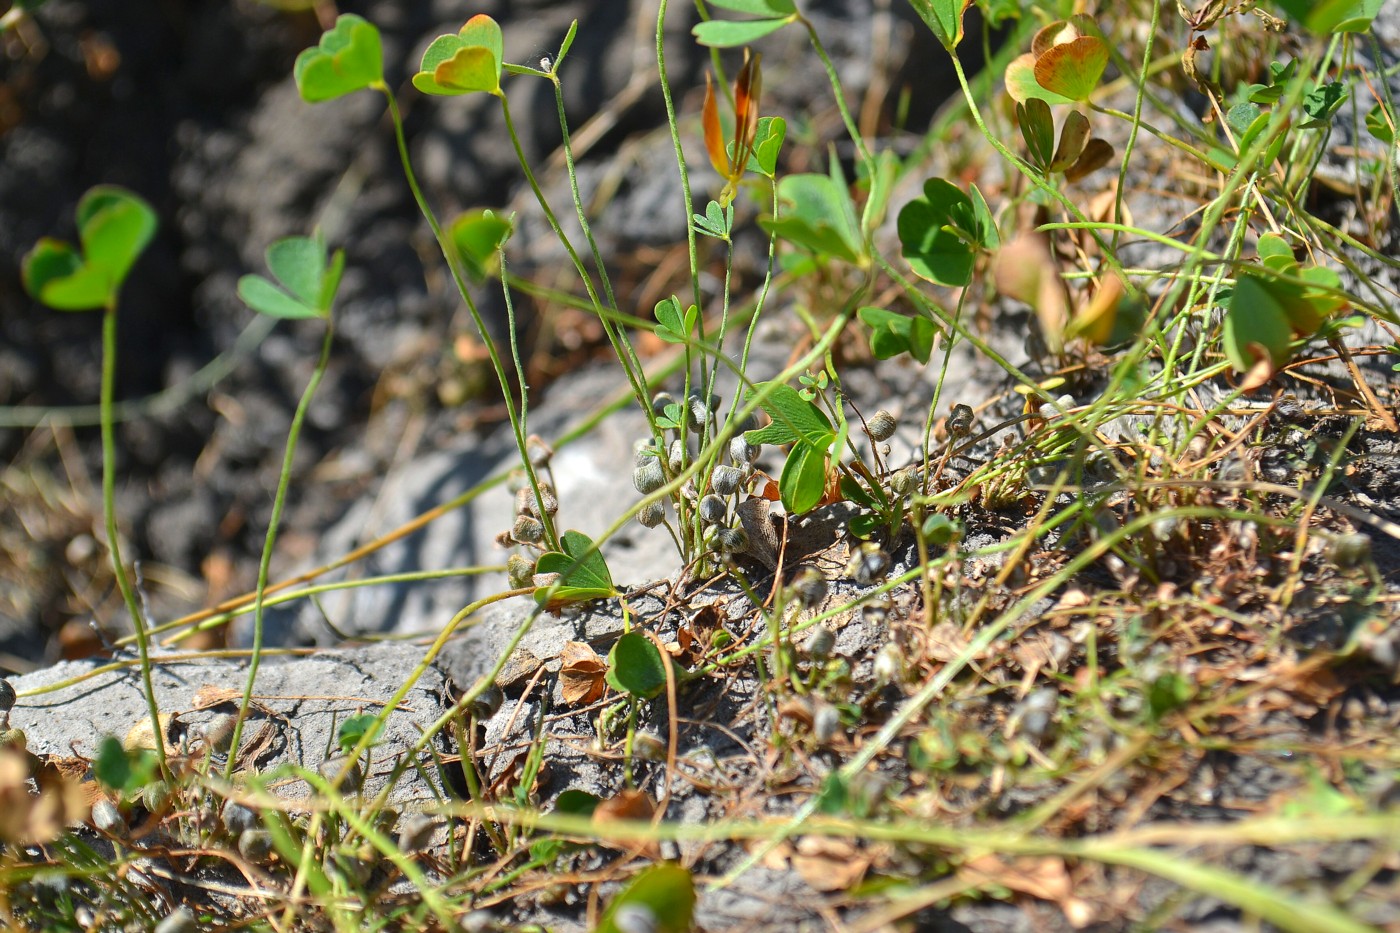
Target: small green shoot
[(353, 731), (479, 236), (802, 424), (892, 333), (672, 325), (123, 770), (306, 280), (584, 572)]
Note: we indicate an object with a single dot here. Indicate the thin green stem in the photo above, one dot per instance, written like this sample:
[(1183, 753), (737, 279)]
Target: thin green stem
[(454, 268), (109, 517), (279, 501)]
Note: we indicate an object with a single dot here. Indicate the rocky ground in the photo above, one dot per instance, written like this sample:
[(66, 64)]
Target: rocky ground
[(192, 106)]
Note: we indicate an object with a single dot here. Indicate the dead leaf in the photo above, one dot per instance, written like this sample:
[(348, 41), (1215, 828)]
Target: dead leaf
[(828, 864), (209, 696), (143, 736), (1025, 269), (1044, 878), (582, 674), (521, 666), (629, 805), (28, 818), (945, 642)]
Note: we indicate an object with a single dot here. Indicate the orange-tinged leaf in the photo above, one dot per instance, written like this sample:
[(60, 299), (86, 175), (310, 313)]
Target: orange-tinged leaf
[(1072, 69), (714, 133), (747, 89)]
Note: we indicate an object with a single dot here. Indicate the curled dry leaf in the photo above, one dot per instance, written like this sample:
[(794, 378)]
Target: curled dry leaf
[(581, 674), (629, 805)]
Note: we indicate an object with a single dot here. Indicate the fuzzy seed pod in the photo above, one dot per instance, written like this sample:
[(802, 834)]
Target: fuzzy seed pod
[(1348, 552), (741, 451), (7, 696), (820, 641), (905, 481), (732, 540), (416, 832), (179, 920), (524, 501), (155, 797), (538, 451), (648, 476), (660, 400), (960, 421), (14, 739), (218, 732), (353, 780), (255, 845), (868, 564), (487, 702), (688, 490), (699, 411), (724, 480), (519, 570), (675, 457), (237, 818), (635, 918), (527, 530), (810, 588), (889, 664), (107, 818), (881, 425), (826, 720), (651, 515), (648, 746), (712, 510), (1289, 408), (876, 612)]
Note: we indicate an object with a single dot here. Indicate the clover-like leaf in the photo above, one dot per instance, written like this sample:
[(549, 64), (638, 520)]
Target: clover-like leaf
[(663, 893), (673, 326), (471, 60), (892, 334), (768, 141), (635, 667), (942, 231), (1038, 130), (730, 33), (114, 226), (348, 58), (1256, 321), (1072, 69), (354, 729), (478, 236), (584, 574), (819, 216), (306, 280), (1022, 86)]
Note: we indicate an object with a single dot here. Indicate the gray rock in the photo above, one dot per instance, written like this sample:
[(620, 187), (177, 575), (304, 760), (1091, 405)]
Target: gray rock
[(299, 704)]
